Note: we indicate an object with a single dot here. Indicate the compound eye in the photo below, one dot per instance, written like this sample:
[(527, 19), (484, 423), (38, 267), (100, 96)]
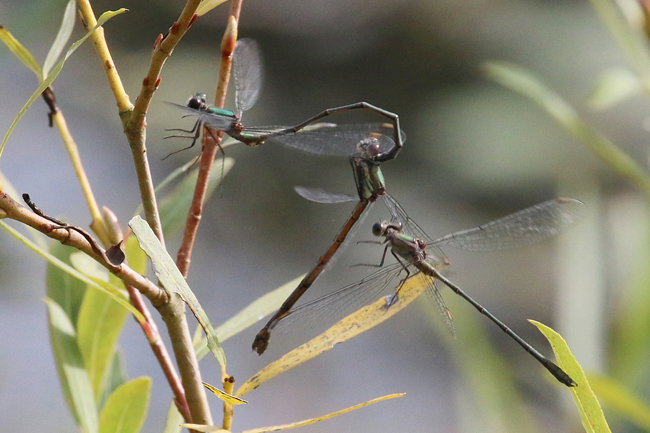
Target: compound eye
[(373, 148), (194, 103), (377, 229)]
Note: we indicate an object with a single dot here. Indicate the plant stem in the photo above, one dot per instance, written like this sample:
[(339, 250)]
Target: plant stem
[(13, 210), (97, 224), (210, 146)]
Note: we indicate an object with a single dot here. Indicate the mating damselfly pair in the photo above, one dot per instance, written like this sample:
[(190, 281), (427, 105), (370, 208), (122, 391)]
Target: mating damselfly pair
[(416, 254)]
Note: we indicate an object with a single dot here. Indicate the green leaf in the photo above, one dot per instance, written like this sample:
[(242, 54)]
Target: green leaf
[(87, 266), (126, 409), (101, 320), (136, 257), (613, 86), (591, 414), (174, 420), (175, 205), (115, 376), (615, 396), (75, 383), (522, 81), (55, 72), (173, 281), (66, 298), (250, 315), (63, 288), (630, 38), (62, 37), (21, 52)]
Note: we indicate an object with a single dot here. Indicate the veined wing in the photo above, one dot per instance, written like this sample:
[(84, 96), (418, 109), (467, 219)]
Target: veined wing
[(338, 140), (527, 226), (248, 72), (330, 308), (319, 195)]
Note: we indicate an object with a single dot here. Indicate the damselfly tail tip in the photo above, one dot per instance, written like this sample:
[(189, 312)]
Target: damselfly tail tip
[(261, 341), (560, 375)]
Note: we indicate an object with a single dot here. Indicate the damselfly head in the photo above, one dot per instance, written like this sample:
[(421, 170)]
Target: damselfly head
[(382, 228), (369, 147), (197, 101)]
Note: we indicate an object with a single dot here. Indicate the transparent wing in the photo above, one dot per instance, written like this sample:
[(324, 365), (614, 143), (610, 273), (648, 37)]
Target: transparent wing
[(527, 226), (321, 196), (328, 309), (436, 298), (249, 74), (338, 140), (222, 123)]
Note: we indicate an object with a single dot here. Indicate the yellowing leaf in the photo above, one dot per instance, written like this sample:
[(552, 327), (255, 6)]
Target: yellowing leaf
[(591, 414), (351, 326), (321, 418), (205, 428), (20, 51), (55, 72), (615, 396), (230, 399), (207, 5)]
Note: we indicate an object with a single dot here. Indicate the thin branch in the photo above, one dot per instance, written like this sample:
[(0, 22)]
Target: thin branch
[(210, 146), (13, 210), (89, 21), (56, 118), (135, 124)]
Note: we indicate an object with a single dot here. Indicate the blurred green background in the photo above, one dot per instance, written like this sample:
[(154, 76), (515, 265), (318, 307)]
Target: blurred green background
[(475, 152)]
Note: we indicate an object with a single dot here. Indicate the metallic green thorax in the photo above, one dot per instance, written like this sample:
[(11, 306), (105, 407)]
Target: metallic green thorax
[(222, 112), (369, 179)]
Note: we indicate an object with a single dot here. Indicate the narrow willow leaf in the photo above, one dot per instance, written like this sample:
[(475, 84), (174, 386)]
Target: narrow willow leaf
[(63, 288), (113, 292), (101, 320), (55, 72), (230, 399), (115, 377), (631, 40), (250, 315), (126, 409), (614, 85), (621, 399), (172, 279), (522, 81), (351, 326), (75, 383), (322, 418), (20, 51), (62, 37), (591, 414), (136, 257), (207, 5), (205, 428), (87, 266), (174, 206), (174, 420)]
